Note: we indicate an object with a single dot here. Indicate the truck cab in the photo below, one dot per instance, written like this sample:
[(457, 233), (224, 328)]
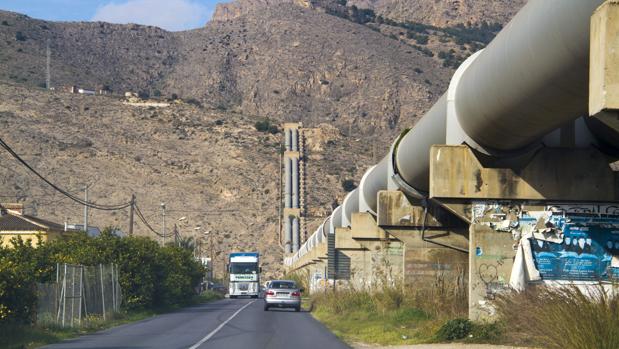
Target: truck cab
[(244, 274)]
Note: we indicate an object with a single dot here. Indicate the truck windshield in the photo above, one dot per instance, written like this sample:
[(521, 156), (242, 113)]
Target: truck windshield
[(243, 268)]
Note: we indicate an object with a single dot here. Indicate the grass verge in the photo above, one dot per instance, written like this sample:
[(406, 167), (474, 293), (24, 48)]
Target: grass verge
[(403, 315), (403, 326), (389, 315), (14, 336)]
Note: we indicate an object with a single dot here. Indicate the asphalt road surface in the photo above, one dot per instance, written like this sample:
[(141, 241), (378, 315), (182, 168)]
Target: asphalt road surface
[(226, 324)]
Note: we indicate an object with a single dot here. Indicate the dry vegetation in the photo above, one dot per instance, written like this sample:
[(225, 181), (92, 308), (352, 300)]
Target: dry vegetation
[(552, 318), (561, 318)]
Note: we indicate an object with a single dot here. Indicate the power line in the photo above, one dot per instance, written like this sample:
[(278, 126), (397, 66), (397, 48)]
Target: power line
[(140, 215), (93, 205), (217, 211), (65, 193)]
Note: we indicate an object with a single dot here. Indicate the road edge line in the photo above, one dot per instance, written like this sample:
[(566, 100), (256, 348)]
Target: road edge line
[(213, 332)]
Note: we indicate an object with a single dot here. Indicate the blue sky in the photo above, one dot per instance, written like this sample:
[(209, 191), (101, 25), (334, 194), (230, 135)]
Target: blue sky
[(168, 14)]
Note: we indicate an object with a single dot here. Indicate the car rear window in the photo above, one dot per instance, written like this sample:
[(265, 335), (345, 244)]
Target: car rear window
[(283, 284)]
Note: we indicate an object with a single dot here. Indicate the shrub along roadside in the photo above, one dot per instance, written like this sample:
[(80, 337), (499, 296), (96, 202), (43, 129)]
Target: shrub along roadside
[(388, 315), (401, 315), (561, 318), (21, 336), (541, 317), (151, 277)]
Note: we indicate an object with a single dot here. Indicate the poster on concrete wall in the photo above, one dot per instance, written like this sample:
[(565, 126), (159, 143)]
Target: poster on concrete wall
[(586, 253)]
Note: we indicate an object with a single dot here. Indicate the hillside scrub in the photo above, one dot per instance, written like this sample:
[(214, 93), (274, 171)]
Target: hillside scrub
[(151, 276)]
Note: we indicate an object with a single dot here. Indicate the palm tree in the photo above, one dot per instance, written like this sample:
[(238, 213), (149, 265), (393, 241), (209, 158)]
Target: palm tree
[(187, 242)]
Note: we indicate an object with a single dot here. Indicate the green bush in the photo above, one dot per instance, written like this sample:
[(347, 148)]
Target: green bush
[(454, 329), (19, 36), (150, 276), (266, 126), (194, 101), (485, 332), (348, 185)]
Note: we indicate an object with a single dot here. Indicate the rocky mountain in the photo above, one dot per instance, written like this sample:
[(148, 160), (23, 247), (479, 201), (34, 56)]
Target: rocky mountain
[(279, 63), (441, 13), (212, 167), (353, 78), (444, 13)]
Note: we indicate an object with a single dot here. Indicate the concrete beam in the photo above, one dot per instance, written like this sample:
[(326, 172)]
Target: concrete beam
[(604, 59), (317, 255), (552, 174), (292, 125), (396, 209), (344, 240), (292, 154), (364, 226), (296, 212), (604, 72)]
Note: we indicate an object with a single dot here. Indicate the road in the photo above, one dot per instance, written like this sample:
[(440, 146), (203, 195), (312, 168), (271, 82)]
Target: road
[(226, 324)]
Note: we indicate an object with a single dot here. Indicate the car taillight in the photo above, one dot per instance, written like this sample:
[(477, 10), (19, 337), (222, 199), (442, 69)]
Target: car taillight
[(296, 294), (270, 293)]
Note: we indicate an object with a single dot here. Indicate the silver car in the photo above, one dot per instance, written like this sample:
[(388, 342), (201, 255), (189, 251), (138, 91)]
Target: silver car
[(282, 294)]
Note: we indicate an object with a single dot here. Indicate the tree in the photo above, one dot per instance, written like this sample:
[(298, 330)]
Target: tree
[(19, 36), (348, 185)]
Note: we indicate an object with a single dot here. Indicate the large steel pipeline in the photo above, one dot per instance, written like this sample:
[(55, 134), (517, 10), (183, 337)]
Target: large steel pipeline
[(295, 182), (288, 235), (296, 236), (373, 180), (287, 139), (530, 80), (351, 205), (412, 152), (325, 228), (336, 219), (288, 182)]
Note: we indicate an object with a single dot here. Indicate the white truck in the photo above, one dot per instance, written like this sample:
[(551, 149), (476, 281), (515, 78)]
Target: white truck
[(244, 274)]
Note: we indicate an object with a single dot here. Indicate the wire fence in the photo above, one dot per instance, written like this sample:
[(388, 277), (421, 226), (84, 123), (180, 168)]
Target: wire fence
[(80, 295)]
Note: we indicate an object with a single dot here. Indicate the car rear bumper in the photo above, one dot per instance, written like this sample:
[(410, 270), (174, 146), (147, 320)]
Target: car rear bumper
[(282, 303)]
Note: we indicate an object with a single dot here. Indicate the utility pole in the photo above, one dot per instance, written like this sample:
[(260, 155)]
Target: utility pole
[(86, 209), (212, 256), (163, 230), (177, 238), (131, 211), (48, 75)]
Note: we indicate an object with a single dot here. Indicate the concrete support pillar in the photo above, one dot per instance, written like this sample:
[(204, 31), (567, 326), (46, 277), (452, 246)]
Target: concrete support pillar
[(295, 235), (295, 182)]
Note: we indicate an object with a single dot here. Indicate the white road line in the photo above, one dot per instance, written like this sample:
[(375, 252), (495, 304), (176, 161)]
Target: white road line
[(208, 336)]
